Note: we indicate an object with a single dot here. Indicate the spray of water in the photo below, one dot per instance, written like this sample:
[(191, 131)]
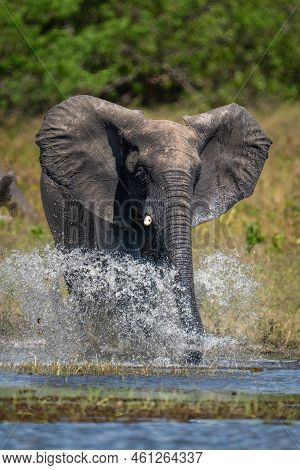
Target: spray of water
[(119, 308), (227, 290), (226, 279)]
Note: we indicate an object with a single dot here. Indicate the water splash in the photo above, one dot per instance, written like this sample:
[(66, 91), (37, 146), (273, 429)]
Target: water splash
[(225, 279), (227, 289), (124, 309)]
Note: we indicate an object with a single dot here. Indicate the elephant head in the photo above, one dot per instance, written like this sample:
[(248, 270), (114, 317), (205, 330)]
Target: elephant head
[(170, 176)]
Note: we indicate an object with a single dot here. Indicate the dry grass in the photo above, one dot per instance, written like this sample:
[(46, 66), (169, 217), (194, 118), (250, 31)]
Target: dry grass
[(19, 152), (102, 368), (273, 212), (275, 209)]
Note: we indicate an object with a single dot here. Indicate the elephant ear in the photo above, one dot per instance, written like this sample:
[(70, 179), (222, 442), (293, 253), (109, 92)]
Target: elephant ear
[(82, 149), (233, 150)]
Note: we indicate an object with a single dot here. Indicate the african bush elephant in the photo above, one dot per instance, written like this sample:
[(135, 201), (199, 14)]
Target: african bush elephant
[(6, 181), (12, 197), (108, 170)]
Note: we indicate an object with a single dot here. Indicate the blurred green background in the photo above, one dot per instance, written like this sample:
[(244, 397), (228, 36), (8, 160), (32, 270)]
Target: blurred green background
[(147, 51), (169, 58)]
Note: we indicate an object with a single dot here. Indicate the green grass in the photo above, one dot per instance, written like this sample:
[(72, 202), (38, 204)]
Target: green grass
[(264, 229), (97, 405)]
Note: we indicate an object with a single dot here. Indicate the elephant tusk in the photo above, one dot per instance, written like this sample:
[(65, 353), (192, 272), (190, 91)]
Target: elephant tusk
[(147, 220)]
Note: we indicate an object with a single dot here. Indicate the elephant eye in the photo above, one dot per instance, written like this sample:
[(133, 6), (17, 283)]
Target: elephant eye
[(141, 174)]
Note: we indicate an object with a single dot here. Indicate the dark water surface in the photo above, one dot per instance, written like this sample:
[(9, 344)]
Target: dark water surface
[(205, 434)]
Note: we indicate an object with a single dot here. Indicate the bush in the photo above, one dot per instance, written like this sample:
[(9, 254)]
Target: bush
[(146, 51), (253, 235)]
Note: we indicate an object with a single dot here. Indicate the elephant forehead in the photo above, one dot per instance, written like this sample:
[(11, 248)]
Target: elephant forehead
[(164, 135), (174, 159), (165, 144)]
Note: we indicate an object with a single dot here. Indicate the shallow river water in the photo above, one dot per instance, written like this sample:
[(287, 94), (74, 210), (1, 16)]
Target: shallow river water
[(204, 434), (280, 377)]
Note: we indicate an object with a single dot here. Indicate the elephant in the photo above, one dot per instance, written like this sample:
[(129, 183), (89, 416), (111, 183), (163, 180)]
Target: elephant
[(113, 180), (12, 197), (7, 181)]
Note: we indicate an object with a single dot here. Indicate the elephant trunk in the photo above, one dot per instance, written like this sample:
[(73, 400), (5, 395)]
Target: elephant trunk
[(178, 244)]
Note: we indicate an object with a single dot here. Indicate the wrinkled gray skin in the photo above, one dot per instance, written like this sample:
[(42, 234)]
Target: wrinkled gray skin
[(104, 168)]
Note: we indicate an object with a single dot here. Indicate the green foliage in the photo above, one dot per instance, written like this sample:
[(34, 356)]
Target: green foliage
[(253, 235), (278, 241), (146, 51), (37, 231)]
